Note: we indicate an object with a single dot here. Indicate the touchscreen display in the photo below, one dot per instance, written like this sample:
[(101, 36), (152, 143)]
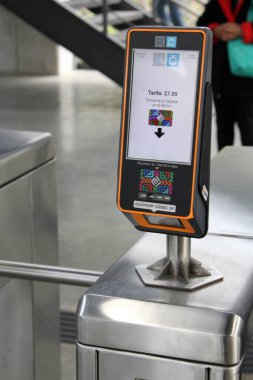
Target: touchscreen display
[(162, 105)]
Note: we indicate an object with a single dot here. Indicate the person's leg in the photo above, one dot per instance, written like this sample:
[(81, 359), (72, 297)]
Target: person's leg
[(175, 14), (162, 12), (244, 108), (225, 117), (155, 6)]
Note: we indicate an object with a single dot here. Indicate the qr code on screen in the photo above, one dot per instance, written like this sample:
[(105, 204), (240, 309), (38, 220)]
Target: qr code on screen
[(159, 59)]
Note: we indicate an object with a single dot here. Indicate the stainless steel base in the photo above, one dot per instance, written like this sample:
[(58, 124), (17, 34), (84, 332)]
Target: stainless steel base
[(211, 325), (148, 276), (178, 270), (103, 364)]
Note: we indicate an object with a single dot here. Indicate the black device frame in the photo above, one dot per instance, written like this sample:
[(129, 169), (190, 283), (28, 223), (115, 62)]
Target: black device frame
[(191, 196)]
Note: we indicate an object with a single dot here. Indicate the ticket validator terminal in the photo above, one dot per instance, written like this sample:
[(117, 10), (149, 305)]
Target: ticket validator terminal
[(129, 325), (164, 158)]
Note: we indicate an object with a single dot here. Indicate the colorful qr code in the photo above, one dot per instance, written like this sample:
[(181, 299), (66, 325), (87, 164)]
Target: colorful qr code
[(160, 118), (156, 181), (159, 59)]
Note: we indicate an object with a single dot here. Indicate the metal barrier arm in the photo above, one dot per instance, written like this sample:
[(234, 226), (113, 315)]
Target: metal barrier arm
[(47, 273)]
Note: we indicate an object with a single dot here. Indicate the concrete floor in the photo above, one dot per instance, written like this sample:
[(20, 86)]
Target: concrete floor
[(82, 111)]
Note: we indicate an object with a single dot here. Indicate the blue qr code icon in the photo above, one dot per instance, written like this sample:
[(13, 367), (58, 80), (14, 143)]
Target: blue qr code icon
[(172, 60), (171, 42)]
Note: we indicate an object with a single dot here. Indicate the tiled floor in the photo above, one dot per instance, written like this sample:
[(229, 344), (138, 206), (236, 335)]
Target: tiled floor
[(82, 111)]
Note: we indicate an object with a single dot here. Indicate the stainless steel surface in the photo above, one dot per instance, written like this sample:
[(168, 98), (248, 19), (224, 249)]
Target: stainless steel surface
[(21, 152), (97, 362), (16, 308), (184, 256), (28, 233), (130, 366), (45, 297), (47, 273), (212, 325), (87, 359), (16, 333), (15, 227), (177, 270), (231, 196), (172, 253), (211, 276)]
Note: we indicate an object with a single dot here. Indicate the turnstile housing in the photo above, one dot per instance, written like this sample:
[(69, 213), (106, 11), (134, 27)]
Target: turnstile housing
[(29, 311), (203, 332)]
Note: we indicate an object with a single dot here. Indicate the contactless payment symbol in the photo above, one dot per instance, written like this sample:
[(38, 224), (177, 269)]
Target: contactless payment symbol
[(171, 42), (172, 60)]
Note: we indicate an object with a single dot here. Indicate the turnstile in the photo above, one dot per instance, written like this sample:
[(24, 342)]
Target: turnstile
[(231, 197), (130, 331), (29, 311)]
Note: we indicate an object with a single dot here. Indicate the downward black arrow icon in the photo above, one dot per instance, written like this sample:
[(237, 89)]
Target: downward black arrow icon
[(159, 133)]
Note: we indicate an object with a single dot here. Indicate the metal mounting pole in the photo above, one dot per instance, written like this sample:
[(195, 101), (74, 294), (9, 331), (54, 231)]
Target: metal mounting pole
[(178, 269), (177, 261)]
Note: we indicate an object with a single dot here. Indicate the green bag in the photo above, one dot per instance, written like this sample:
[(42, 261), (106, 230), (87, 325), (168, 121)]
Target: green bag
[(240, 55)]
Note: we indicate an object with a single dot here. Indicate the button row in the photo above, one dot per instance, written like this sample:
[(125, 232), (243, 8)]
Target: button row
[(155, 197)]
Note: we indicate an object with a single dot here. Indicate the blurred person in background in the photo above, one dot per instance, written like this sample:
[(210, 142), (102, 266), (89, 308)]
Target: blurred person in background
[(168, 12), (233, 95)]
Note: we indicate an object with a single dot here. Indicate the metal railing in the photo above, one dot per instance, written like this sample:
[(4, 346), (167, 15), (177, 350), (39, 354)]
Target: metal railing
[(105, 18), (47, 273), (188, 8)]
